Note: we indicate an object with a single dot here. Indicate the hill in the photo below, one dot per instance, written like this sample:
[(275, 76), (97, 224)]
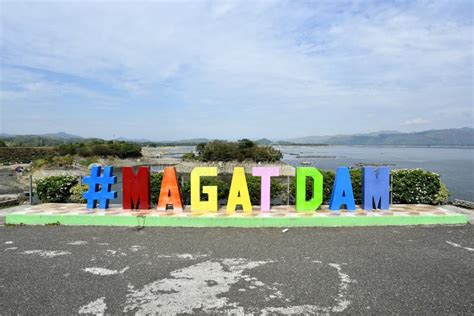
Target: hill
[(51, 139), (443, 137)]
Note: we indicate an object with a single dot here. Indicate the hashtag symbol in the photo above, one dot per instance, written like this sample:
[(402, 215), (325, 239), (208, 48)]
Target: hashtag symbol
[(100, 187)]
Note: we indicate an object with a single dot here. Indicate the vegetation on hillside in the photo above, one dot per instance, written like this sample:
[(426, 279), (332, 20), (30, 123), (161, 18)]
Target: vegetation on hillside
[(63, 155), (25, 154), (101, 148), (242, 150), (38, 140)]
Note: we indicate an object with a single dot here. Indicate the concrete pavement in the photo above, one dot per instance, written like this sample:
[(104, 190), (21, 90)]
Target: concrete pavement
[(64, 270)]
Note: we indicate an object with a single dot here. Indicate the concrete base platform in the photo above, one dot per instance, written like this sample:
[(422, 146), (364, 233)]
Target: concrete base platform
[(279, 216)]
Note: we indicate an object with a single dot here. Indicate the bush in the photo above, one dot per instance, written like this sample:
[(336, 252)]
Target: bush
[(76, 193), (188, 157), (88, 161), (155, 187), (40, 162), (409, 187), (222, 186), (254, 184), (328, 182), (54, 161), (443, 195), (417, 186), (157, 178), (55, 188)]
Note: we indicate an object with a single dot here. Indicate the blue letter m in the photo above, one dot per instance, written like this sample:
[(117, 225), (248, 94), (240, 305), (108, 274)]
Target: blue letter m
[(375, 188)]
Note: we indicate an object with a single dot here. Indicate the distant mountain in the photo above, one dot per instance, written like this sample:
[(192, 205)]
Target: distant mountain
[(311, 139), (381, 133), (51, 139), (62, 135), (444, 137), (263, 141)]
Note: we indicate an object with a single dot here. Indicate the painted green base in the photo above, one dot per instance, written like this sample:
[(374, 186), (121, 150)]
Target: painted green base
[(207, 221)]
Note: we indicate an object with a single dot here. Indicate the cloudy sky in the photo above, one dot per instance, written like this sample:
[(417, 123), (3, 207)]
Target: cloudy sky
[(218, 69)]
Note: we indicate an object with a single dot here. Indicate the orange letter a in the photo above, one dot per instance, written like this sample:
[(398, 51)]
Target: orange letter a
[(169, 193)]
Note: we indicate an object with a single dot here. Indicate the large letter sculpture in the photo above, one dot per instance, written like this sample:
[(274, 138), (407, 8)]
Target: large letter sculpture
[(196, 204), (265, 173), (376, 188), (303, 205), (239, 192), (342, 191), (169, 193), (100, 187), (136, 188)]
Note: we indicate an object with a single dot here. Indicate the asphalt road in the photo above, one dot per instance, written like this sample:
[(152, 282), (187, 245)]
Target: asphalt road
[(378, 270)]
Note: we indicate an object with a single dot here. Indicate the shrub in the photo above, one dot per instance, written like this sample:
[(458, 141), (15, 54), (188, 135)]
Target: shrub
[(40, 162), (328, 182), (155, 187), (188, 157), (222, 187), (443, 195), (87, 161), (54, 161), (356, 178), (185, 189), (254, 184), (76, 193), (409, 187), (55, 188), (65, 161), (417, 186)]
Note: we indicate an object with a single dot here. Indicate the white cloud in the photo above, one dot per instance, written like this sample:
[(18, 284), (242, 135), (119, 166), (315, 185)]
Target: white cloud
[(239, 62)]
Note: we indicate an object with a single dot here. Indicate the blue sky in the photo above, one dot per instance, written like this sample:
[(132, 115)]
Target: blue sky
[(233, 69)]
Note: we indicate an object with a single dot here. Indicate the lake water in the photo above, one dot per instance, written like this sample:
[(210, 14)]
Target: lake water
[(455, 165)]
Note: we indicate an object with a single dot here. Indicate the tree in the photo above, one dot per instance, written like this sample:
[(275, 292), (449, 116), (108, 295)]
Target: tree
[(200, 148), (243, 150), (246, 143)]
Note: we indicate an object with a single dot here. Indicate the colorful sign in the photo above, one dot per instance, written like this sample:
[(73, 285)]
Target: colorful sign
[(136, 189)]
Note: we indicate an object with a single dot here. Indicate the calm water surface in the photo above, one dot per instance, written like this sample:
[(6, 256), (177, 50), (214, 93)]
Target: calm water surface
[(455, 165)]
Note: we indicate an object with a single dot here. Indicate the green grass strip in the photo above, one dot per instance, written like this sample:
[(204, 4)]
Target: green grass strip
[(204, 221)]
